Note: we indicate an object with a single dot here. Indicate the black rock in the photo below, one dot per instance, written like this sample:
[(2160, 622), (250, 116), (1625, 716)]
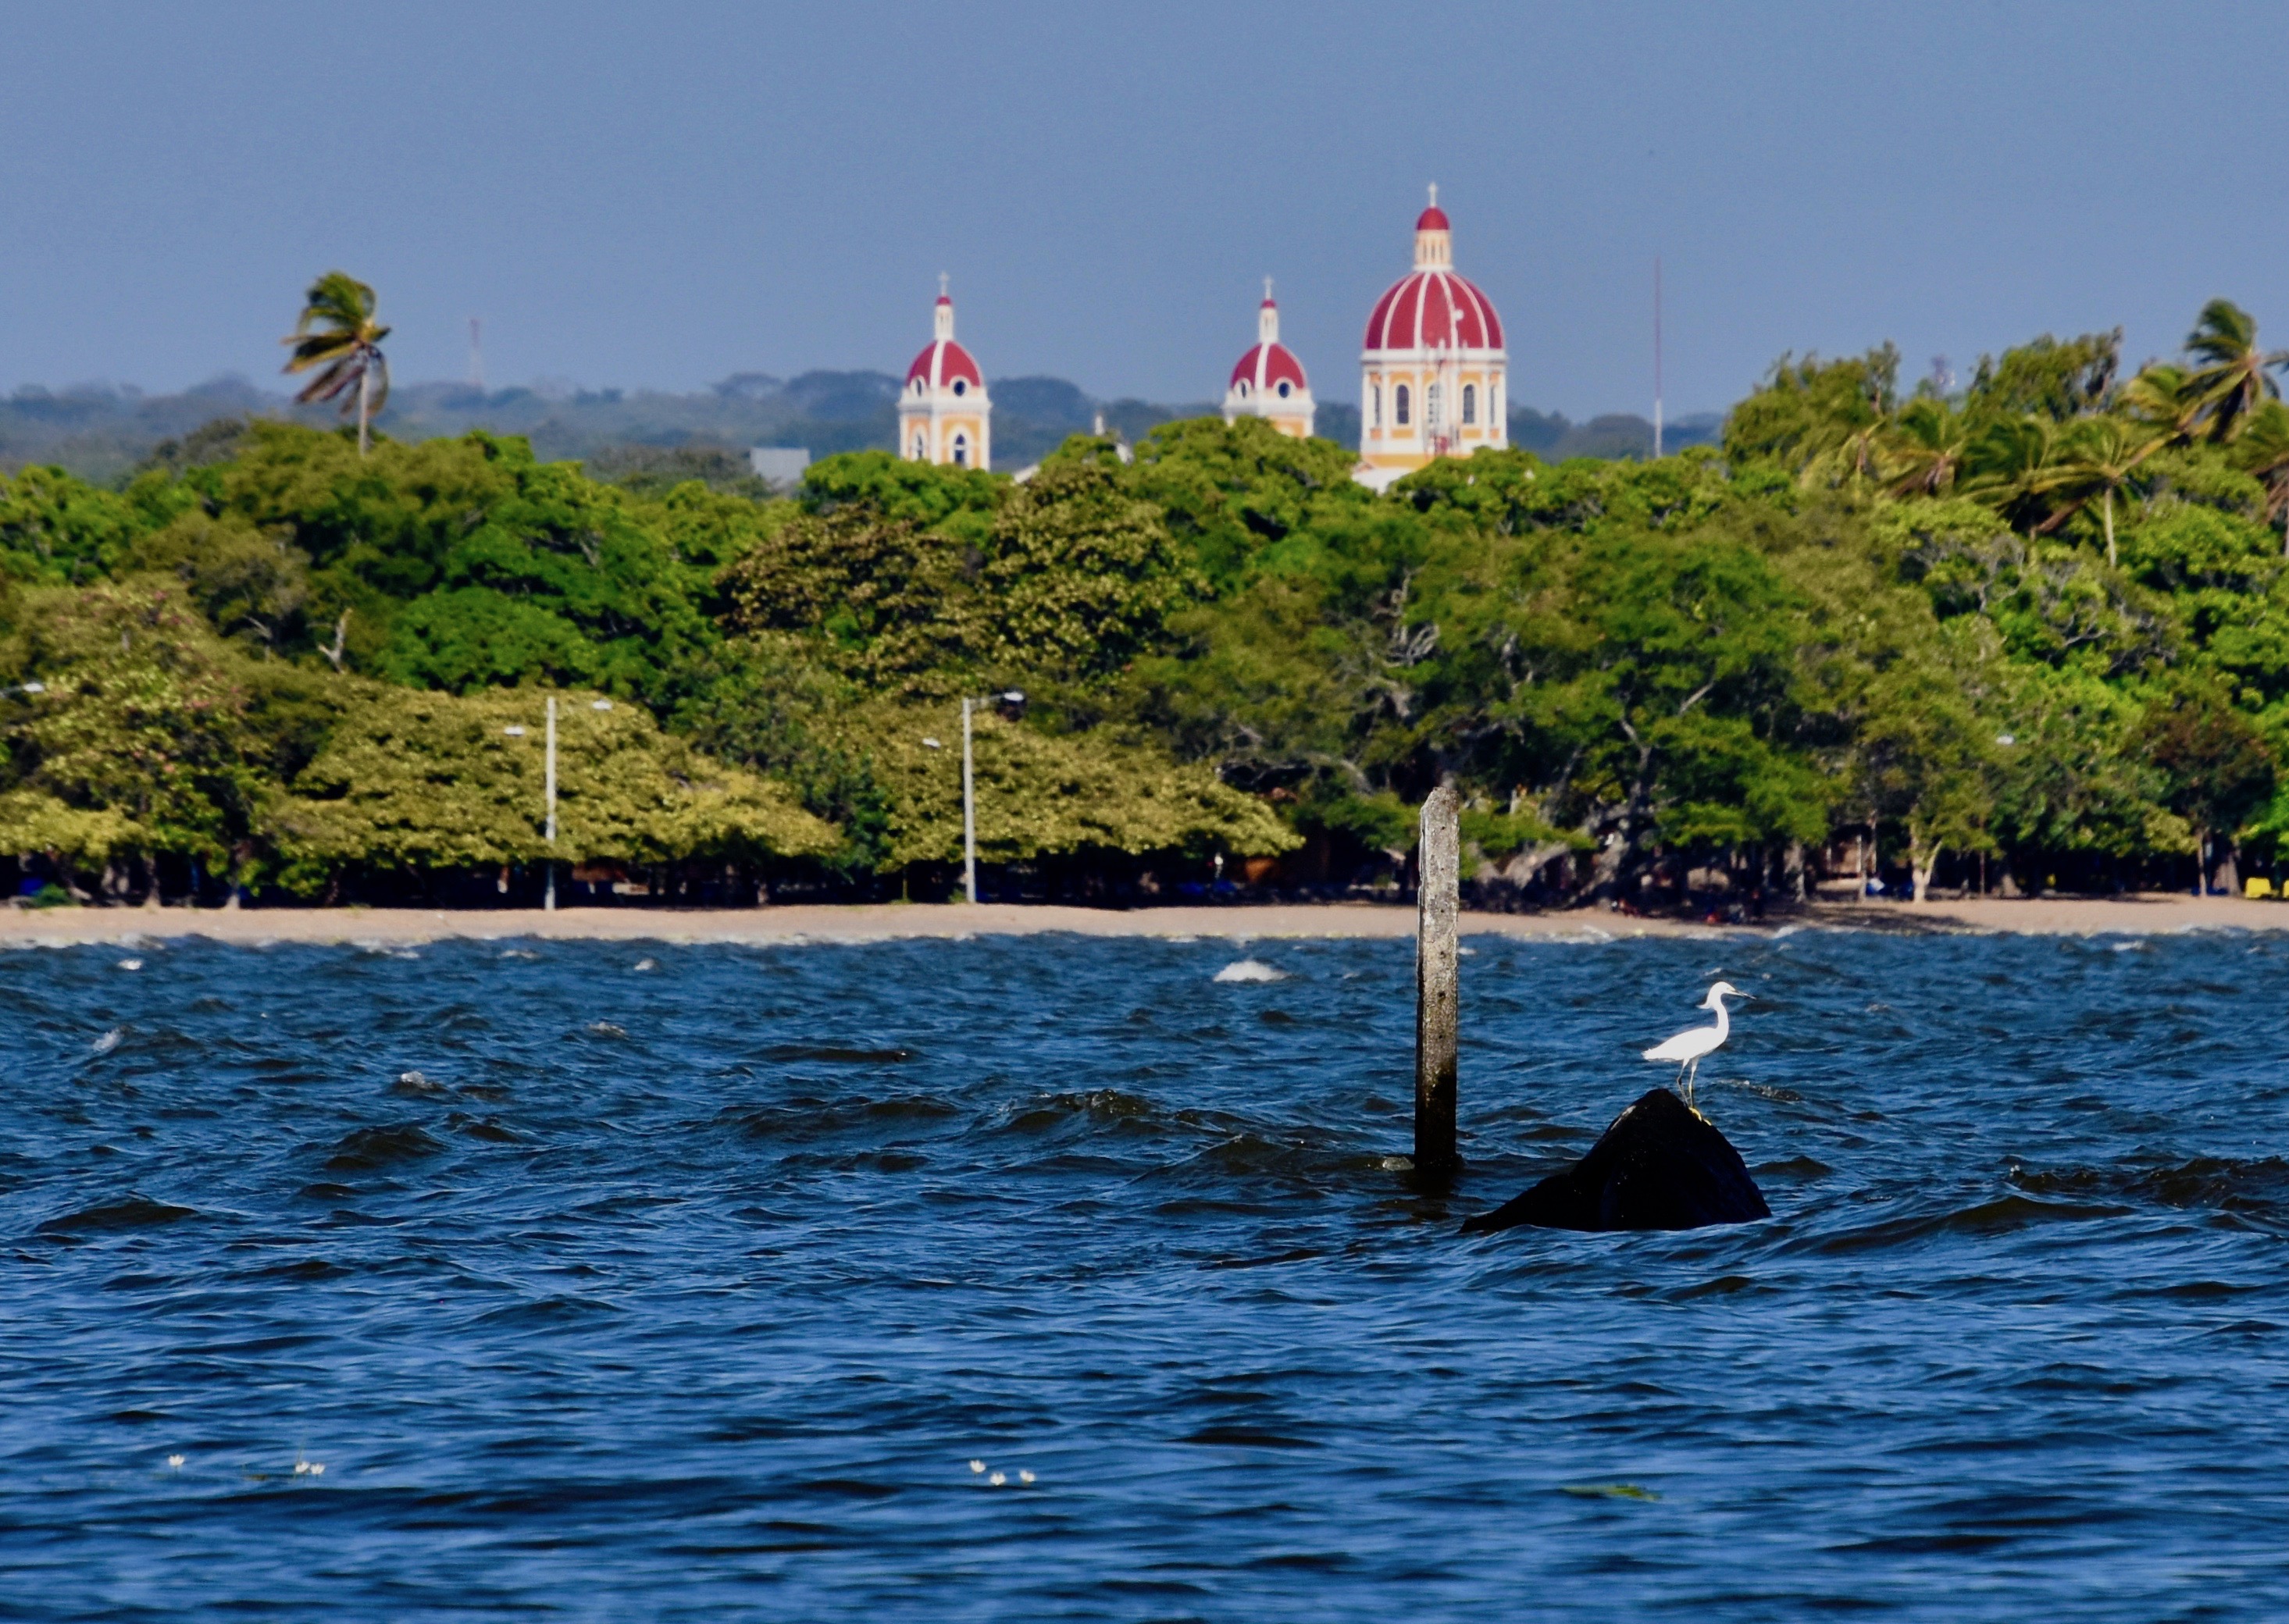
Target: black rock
[(1661, 1166)]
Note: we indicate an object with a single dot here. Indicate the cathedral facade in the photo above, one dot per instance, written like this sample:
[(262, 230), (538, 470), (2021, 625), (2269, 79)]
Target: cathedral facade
[(1433, 376)]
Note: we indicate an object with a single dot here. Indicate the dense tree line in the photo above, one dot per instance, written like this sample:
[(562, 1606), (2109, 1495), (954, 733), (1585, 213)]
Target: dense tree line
[(2035, 630)]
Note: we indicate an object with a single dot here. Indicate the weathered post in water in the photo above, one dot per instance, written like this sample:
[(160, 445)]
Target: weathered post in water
[(1436, 1000)]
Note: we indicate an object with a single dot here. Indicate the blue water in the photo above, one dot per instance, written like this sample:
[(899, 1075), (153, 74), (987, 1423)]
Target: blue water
[(691, 1292)]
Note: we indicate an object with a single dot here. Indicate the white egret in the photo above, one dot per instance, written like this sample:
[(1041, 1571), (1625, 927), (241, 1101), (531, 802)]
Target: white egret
[(1692, 1045)]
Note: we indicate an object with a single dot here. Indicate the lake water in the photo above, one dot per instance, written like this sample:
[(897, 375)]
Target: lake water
[(631, 1282)]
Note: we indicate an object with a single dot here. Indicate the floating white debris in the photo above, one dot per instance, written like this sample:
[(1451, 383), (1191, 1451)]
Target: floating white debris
[(414, 1082), (518, 952), (605, 1028), (107, 1042), (174, 1463), (1025, 1476), (978, 1466), (1250, 969), (647, 963), (131, 964), (998, 1479)]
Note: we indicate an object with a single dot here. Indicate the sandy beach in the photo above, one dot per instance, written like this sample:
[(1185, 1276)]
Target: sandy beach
[(876, 923)]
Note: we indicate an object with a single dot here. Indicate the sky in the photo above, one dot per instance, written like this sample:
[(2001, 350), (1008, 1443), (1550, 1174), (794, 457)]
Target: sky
[(660, 196)]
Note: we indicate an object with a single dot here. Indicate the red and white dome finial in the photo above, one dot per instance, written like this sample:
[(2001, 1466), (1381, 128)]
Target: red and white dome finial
[(1267, 317), (944, 308), (1434, 237)]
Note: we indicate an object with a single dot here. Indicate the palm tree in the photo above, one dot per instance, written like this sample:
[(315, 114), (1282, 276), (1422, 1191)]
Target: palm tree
[(2234, 379), (2012, 464), (2095, 458), (338, 333), (1924, 453), (2162, 398), (2263, 452)]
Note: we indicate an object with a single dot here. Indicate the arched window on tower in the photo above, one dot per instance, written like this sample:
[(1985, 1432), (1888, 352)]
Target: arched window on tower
[(1469, 403), (961, 450), (1431, 418), (1375, 421), (1399, 406), (922, 448)]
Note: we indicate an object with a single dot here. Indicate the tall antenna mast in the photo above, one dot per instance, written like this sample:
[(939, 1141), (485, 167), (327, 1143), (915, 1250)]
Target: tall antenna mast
[(476, 358), (1656, 355)]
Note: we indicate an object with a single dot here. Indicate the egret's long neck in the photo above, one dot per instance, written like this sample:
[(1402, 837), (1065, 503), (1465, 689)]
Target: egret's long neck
[(1724, 1020)]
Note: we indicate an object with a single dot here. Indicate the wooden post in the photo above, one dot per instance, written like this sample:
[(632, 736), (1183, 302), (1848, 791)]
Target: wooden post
[(1437, 999)]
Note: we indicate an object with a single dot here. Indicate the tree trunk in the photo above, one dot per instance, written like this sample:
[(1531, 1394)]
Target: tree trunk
[(1619, 860), (1921, 861), (365, 386), (2109, 510)]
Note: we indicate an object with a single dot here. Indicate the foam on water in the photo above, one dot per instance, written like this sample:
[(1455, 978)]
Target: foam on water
[(1250, 970)]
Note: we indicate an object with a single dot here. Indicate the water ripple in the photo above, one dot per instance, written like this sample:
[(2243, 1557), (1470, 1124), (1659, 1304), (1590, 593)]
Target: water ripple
[(698, 1291)]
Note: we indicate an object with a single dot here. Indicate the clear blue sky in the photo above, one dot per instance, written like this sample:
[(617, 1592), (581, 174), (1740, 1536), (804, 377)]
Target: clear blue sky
[(661, 196)]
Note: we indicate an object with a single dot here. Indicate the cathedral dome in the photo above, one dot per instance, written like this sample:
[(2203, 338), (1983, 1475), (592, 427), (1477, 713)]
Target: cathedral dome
[(1433, 372), (944, 416), (1271, 367), (1433, 307), (1268, 381), (943, 364)]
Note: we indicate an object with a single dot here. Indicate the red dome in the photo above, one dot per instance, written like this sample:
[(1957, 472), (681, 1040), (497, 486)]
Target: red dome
[(1433, 219), (942, 363), (1267, 367), (1433, 307)]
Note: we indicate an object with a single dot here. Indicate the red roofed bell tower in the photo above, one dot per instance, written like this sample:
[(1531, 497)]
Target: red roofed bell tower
[(1268, 382), (944, 416), (1432, 370)]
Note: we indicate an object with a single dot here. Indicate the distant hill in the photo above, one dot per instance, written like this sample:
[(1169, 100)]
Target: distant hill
[(1615, 434), (104, 434)]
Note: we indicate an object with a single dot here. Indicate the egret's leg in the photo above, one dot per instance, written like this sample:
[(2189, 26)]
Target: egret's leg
[(1692, 1077), (1679, 1084)]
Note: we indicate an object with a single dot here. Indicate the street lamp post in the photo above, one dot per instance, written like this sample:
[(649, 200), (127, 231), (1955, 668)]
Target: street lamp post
[(515, 729), (1014, 696), (968, 810), (549, 903)]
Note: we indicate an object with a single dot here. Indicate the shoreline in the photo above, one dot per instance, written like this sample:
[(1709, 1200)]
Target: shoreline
[(2146, 914)]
